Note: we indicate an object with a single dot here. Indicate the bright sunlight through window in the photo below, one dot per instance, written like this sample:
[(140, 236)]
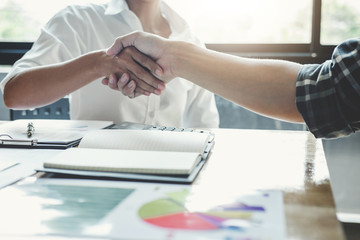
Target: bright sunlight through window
[(248, 21), (214, 21)]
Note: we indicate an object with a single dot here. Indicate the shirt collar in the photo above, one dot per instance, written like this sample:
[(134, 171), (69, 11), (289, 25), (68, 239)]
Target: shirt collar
[(116, 6), (177, 23)]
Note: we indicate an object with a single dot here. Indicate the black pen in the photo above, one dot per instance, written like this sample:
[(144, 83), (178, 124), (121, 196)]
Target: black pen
[(30, 129)]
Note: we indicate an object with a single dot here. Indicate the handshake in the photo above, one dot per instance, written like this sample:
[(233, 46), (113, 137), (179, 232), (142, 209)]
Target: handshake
[(138, 64)]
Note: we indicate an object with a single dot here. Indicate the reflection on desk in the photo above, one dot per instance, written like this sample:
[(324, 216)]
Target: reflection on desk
[(291, 162)]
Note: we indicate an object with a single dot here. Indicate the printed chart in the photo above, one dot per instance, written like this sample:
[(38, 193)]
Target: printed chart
[(170, 212), (56, 208)]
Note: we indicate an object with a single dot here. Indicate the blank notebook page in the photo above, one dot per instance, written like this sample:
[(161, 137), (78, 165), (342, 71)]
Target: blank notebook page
[(146, 140), (127, 161)]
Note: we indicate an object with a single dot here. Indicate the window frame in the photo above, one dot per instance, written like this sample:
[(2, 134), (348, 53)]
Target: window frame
[(10, 52), (313, 52)]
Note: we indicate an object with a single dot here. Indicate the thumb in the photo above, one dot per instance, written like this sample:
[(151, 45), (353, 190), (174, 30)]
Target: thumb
[(121, 43), (115, 48)]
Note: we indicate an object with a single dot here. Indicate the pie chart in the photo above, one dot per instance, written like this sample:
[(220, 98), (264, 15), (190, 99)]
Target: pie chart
[(170, 212)]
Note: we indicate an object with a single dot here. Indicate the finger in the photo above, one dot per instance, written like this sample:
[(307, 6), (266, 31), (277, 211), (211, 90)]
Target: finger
[(123, 81), (105, 81), (140, 91), (136, 91), (146, 87), (143, 67), (113, 81), (142, 76), (139, 73), (148, 81), (129, 89), (147, 62)]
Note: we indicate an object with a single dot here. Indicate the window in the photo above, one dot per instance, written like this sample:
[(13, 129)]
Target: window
[(248, 21), (298, 30), (340, 20), (21, 20)]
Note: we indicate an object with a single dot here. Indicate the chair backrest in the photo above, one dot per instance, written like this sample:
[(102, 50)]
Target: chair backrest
[(4, 111), (56, 110), (234, 116)]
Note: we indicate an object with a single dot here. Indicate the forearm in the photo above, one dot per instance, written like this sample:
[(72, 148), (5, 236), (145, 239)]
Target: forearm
[(263, 86), (43, 85)]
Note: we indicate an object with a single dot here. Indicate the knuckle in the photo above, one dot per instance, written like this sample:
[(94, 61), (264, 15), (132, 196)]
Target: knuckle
[(144, 59), (145, 86), (139, 90), (124, 92), (140, 73), (127, 50)]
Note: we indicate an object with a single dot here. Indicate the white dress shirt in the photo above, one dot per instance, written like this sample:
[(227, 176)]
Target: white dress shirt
[(77, 30)]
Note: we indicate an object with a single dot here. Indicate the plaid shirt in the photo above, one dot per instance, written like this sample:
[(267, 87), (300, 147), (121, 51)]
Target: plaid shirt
[(328, 94)]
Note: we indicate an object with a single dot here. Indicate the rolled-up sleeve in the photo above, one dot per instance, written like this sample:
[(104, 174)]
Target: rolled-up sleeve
[(328, 94)]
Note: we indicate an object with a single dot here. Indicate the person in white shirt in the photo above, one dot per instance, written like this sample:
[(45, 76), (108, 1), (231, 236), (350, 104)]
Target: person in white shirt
[(69, 58)]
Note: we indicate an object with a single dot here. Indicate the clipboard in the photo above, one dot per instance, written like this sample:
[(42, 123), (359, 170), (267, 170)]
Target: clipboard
[(46, 134), (34, 143)]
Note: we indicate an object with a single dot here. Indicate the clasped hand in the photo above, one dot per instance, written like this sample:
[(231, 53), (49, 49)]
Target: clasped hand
[(131, 72)]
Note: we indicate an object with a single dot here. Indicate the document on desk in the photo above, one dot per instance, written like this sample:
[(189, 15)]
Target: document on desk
[(6, 164), (126, 210), (136, 154), (39, 133)]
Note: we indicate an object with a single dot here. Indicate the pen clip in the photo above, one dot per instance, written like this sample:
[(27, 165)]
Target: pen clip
[(30, 129)]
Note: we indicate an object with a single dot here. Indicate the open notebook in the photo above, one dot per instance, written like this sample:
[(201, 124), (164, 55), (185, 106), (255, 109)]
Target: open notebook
[(136, 155)]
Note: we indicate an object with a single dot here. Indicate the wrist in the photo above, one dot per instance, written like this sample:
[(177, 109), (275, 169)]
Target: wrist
[(180, 56), (94, 63)]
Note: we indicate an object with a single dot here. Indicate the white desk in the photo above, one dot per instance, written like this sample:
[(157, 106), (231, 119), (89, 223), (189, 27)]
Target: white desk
[(292, 162)]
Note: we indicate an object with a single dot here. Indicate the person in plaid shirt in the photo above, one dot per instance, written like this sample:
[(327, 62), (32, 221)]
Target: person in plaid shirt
[(325, 96), (328, 94)]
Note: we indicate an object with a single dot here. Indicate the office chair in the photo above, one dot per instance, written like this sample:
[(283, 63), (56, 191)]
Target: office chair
[(56, 110)]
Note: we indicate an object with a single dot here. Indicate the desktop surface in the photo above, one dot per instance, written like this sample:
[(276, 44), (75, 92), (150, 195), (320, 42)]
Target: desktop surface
[(291, 162)]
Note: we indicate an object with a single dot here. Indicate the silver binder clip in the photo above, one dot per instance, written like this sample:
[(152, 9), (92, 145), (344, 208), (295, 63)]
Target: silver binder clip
[(16, 142)]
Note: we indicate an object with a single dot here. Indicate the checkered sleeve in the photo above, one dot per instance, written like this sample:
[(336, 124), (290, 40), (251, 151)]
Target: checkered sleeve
[(328, 94)]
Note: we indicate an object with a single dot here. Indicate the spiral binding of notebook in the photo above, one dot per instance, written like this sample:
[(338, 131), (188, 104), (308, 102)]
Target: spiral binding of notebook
[(140, 126)]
